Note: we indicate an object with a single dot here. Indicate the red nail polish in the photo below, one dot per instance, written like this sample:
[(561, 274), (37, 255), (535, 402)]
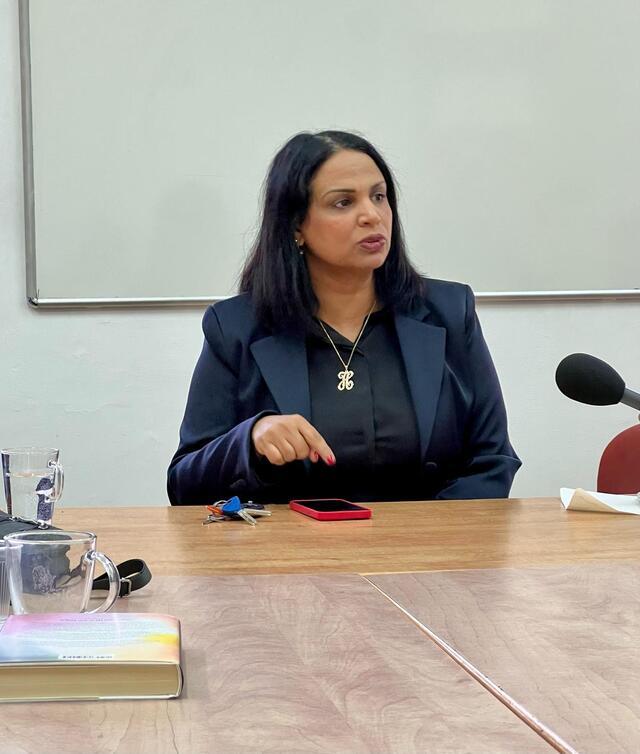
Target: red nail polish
[(331, 460)]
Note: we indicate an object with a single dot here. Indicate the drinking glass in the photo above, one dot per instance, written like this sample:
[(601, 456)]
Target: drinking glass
[(33, 481), (52, 572), (4, 582)]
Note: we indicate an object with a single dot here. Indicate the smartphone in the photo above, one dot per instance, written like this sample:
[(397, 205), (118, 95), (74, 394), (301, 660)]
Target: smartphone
[(330, 509)]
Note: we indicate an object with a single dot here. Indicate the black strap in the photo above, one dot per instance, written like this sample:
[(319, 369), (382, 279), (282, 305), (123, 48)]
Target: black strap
[(134, 574)]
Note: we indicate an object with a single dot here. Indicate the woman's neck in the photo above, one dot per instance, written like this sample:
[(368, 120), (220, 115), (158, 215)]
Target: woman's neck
[(344, 302)]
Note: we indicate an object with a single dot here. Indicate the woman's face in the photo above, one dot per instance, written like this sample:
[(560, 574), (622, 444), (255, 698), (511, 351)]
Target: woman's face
[(349, 220)]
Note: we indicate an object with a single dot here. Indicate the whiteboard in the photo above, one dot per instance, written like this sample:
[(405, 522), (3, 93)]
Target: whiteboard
[(511, 125)]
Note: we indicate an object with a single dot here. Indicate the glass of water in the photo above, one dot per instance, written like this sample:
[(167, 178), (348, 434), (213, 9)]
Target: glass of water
[(4, 582), (33, 481)]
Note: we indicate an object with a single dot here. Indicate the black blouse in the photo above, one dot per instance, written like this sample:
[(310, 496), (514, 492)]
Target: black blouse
[(371, 428)]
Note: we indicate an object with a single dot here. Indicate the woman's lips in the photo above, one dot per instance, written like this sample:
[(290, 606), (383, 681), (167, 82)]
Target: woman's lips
[(372, 243)]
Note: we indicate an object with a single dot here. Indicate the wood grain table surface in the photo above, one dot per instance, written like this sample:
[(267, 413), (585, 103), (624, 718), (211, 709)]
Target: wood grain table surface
[(418, 536), (278, 663), (563, 641), (288, 649)]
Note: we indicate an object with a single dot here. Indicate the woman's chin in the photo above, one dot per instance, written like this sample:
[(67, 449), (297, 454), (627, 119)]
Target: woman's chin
[(374, 260)]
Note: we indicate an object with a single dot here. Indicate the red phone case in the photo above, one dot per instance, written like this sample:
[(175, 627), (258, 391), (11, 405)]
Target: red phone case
[(300, 507)]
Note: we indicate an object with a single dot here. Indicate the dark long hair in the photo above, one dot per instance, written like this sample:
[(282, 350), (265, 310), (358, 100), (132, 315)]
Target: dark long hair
[(275, 274)]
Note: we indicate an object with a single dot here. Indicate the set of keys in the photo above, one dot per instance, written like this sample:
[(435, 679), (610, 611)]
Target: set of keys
[(223, 510)]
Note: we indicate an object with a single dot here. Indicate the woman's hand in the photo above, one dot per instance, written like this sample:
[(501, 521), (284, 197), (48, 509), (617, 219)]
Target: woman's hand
[(289, 437)]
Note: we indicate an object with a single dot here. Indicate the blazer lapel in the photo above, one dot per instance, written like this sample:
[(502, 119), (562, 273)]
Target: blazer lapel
[(423, 347), (282, 360)]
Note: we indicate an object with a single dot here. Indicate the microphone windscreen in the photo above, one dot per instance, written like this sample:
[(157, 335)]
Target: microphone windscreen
[(589, 380)]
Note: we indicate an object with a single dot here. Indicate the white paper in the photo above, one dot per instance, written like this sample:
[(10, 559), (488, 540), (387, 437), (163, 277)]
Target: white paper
[(600, 502)]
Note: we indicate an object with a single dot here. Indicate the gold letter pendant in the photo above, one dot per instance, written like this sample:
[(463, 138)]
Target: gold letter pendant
[(346, 383)]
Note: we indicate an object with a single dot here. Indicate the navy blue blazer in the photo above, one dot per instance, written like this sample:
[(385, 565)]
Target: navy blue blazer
[(245, 372)]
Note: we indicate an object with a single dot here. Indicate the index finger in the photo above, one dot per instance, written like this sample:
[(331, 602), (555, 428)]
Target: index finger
[(316, 441)]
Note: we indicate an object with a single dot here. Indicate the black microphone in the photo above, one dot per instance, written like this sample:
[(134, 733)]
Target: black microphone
[(589, 380)]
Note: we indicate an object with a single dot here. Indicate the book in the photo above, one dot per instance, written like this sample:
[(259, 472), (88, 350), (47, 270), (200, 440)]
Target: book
[(55, 656)]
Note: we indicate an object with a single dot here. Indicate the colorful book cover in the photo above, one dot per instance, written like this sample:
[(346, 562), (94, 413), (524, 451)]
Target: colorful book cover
[(99, 637)]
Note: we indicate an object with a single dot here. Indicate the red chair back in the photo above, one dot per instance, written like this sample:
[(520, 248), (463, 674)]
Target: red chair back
[(619, 470)]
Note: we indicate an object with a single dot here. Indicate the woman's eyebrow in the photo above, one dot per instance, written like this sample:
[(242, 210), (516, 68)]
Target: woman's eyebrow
[(350, 190)]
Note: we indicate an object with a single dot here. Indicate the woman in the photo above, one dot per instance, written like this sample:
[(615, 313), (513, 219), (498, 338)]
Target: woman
[(339, 371)]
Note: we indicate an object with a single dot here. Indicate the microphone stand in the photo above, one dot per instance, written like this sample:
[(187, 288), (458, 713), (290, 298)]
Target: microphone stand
[(632, 399)]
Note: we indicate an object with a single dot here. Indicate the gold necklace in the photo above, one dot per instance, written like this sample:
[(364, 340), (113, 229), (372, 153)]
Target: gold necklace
[(346, 377)]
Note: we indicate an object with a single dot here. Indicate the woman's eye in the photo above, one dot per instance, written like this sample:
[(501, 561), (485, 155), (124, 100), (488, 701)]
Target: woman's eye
[(380, 196), (343, 203)]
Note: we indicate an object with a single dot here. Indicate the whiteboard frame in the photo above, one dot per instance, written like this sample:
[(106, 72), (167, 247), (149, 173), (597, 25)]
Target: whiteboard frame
[(33, 295)]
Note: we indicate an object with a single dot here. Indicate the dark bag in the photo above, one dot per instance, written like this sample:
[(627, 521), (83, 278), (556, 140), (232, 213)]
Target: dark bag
[(134, 573)]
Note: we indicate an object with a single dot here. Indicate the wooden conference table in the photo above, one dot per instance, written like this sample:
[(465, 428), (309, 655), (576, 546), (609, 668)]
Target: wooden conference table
[(475, 626)]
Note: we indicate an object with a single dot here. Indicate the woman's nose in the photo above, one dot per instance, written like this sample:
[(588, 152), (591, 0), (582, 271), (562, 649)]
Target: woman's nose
[(370, 214)]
